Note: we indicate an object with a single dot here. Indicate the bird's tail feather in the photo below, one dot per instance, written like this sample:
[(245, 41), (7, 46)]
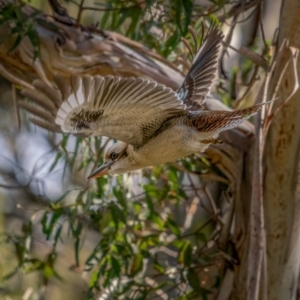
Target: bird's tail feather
[(217, 121)]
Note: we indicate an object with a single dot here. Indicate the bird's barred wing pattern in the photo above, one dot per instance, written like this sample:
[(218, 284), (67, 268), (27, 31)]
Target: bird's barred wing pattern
[(200, 77), (125, 109), (217, 121)]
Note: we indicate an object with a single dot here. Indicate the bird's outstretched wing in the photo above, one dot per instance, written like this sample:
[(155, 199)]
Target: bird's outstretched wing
[(200, 77), (219, 120), (125, 109)]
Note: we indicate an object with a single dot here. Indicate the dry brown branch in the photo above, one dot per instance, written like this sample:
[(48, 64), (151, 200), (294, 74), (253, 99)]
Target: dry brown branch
[(227, 41), (254, 57), (238, 9)]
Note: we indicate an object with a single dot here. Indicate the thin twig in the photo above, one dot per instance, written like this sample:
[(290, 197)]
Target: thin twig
[(80, 10), (16, 108), (237, 9), (295, 54)]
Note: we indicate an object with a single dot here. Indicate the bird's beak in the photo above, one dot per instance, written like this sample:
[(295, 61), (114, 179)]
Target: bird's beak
[(101, 171)]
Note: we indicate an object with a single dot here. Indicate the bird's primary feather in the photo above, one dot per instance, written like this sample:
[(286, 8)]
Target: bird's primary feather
[(200, 77)]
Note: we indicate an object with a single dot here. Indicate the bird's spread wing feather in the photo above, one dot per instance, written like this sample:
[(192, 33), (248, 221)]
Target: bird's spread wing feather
[(217, 121), (200, 77), (125, 109)]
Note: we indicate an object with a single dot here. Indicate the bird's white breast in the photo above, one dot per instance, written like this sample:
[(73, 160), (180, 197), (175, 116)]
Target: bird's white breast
[(172, 144)]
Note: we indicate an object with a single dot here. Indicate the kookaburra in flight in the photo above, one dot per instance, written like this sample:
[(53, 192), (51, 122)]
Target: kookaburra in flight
[(152, 123)]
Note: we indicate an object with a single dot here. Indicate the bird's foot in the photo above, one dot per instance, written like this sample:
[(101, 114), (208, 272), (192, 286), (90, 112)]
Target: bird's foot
[(211, 141)]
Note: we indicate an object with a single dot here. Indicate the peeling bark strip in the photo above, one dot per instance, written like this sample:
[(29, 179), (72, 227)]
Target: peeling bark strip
[(257, 231)]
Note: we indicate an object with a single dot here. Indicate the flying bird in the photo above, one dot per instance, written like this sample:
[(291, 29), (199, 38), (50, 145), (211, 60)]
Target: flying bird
[(152, 123)]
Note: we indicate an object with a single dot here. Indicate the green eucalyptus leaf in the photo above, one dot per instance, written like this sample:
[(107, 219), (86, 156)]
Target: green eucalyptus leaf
[(137, 264), (185, 254)]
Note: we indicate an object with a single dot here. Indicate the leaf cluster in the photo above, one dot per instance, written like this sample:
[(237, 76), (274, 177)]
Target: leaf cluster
[(20, 25)]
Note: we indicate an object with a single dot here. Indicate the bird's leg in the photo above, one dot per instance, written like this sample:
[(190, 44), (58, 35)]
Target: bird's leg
[(211, 140)]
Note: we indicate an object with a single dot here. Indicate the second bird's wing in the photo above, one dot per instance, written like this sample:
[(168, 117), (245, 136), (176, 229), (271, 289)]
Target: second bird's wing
[(125, 109), (200, 77)]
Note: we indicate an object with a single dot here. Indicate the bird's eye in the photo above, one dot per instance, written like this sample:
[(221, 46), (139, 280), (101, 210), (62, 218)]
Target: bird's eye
[(114, 155)]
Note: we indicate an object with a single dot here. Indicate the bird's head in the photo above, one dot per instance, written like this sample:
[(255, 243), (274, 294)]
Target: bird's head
[(116, 161)]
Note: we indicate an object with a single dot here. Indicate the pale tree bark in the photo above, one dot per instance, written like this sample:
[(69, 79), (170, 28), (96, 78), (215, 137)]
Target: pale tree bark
[(281, 171), (273, 235)]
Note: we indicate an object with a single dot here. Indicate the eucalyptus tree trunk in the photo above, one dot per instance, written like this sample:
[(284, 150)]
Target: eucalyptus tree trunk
[(278, 274), (281, 171)]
